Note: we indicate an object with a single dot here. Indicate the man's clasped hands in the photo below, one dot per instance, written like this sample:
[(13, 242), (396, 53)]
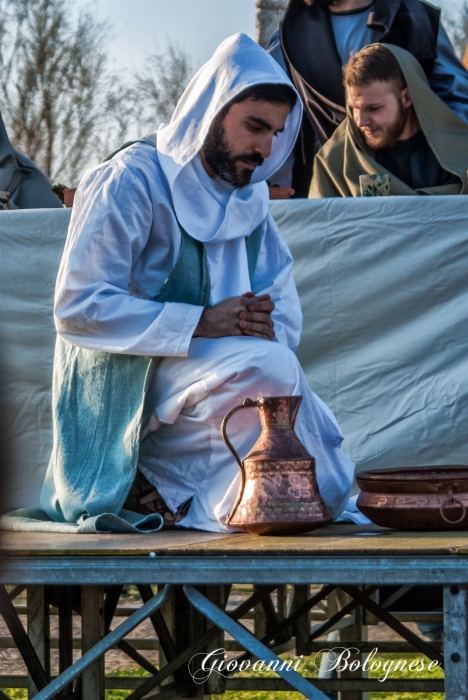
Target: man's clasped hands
[(244, 315)]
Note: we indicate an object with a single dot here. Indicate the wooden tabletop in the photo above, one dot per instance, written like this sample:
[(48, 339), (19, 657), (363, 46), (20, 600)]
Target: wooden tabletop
[(335, 539)]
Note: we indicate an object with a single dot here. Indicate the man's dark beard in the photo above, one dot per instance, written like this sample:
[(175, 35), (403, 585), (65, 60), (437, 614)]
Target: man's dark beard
[(221, 159), (326, 3), (392, 133)]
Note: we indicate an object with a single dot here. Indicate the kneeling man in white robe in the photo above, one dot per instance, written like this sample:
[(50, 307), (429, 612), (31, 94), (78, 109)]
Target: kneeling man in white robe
[(172, 254)]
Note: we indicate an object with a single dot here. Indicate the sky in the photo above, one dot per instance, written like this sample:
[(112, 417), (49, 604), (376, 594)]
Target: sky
[(197, 26)]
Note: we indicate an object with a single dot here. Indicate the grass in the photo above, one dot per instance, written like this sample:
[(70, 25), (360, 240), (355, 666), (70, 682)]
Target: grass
[(307, 668)]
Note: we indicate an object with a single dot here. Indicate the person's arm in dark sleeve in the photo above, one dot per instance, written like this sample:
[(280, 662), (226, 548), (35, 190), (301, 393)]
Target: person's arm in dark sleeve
[(274, 49), (449, 78)]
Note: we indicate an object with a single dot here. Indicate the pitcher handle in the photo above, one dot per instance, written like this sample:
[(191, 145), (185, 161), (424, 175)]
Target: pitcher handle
[(248, 403)]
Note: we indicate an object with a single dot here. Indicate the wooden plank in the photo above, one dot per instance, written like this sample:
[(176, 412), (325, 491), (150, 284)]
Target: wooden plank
[(38, 630), (302, 626), (22, 641), (334, 539), (259, 618), (215, 683), (56, 544), (347, 636), (270, 684), (92, 631), (401, 685), (65, 629)]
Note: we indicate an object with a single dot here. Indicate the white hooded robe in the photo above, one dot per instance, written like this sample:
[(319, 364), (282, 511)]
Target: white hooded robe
[(123, 241)]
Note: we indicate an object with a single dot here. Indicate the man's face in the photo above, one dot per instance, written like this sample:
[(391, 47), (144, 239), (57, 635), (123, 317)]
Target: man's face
[(241, 141), (380, 110)]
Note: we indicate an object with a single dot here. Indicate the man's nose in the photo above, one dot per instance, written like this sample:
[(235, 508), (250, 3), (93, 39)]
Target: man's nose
[(361, 118), (264, 146)]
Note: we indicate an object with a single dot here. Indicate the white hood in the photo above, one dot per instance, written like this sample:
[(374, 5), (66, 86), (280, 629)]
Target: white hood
[(238, 63)]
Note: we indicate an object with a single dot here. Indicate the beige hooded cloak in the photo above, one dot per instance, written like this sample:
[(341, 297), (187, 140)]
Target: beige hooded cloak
[(346, 155)]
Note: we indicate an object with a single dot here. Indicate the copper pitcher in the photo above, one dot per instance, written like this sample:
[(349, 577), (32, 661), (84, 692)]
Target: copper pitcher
[(278, 493)]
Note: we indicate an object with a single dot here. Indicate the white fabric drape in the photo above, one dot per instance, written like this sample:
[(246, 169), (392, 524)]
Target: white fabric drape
[(238, 63)]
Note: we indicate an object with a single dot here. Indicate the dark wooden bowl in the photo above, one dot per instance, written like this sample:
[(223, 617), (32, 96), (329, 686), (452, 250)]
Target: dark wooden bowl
[(416, 498)]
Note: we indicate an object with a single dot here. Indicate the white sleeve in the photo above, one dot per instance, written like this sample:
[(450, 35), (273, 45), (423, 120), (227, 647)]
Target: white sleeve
[(273, 275), (111, 221)]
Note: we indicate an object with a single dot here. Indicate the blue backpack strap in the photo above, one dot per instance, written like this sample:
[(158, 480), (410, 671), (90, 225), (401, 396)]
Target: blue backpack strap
[(150, 139)]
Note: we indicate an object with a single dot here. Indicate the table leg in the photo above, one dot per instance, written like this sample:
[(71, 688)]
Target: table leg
[(189, 627), (168, 616), (216, 682), (354, 633), (260, 621), (21, 639), (456, 642), (199, 623), (92, 621), (38, 630), (301, 627), (65, 625)]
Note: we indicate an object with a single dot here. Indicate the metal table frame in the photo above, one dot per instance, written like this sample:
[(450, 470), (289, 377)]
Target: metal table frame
[(211, 575)]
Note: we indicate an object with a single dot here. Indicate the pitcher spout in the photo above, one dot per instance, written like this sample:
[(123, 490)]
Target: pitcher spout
[(278, 411)]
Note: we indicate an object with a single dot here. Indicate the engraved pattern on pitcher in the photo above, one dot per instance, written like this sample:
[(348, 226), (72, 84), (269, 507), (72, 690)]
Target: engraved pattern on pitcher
[(299, 487), (269, 487)]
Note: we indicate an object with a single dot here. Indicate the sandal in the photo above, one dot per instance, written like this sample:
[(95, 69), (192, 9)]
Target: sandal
[(144, 498)]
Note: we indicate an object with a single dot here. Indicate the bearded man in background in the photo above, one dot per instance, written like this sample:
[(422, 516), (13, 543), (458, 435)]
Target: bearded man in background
[(318, 37), (396, 126)]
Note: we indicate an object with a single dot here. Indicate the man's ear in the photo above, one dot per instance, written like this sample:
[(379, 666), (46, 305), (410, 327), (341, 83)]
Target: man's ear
[(406, 99)]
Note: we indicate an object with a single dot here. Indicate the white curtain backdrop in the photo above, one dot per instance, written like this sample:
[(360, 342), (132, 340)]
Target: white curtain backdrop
[(384, 290)]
